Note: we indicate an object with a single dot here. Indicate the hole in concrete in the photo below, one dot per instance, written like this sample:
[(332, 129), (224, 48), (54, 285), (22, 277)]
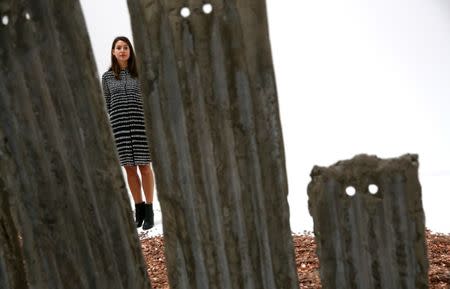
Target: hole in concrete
[(373, 189), (5, 20), (350, 191), (185, 12), (207, 8), (27, 16)]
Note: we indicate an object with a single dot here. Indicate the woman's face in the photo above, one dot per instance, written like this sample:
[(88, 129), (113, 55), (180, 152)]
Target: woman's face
[(121, 51)]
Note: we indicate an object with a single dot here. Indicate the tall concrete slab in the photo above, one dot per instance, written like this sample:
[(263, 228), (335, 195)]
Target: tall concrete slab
[(212, 109), (369, 223), (65, 218)]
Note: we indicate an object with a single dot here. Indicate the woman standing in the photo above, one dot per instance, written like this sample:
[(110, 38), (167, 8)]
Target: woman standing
[(126, 116)]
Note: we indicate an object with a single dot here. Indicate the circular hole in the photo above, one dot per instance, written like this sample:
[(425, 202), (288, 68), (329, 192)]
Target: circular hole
[(185, 12), (5, 19), (207, 8), (27, 16), (373, 189), (350, 191)]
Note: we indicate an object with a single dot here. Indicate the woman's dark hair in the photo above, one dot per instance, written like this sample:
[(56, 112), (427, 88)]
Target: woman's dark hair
[(115, 67)]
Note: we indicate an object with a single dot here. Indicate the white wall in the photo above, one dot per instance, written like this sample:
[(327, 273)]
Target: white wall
[(364, 76), (353, 76), (105, 20)]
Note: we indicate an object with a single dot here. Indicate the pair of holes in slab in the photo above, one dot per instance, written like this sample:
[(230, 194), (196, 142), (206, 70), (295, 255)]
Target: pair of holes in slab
[(5, 18), (351, 191), (185, 12)]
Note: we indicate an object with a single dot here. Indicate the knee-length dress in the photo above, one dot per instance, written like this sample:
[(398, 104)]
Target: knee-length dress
[(126, 116)]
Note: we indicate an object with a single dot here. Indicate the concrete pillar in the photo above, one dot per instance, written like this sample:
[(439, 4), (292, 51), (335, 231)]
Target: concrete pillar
[(65, 218), (212, 109), (369, 223)]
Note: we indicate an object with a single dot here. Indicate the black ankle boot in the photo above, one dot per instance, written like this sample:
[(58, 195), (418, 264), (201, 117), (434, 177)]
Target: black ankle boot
[(139, 210), (148, 220)]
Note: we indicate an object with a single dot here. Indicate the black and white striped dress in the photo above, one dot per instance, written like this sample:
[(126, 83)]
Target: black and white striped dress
[(126, 116)]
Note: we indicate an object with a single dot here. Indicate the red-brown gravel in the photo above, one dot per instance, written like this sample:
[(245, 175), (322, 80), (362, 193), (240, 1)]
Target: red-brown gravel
[(307, 262)]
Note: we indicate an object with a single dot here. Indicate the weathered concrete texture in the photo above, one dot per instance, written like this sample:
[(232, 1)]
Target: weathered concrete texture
[(369, 240), (211, 99), (65, 219)]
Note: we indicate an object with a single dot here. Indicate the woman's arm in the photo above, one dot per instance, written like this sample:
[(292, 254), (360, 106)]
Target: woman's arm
[(106, 93)]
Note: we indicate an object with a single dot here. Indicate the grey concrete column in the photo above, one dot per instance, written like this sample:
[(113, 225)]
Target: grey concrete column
[(65, 219), (369, 223), (212, 111)]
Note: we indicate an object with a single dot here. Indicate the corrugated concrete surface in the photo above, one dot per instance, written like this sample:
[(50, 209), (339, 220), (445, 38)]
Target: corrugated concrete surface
[(211, 100), (374, 238), (65, 218)]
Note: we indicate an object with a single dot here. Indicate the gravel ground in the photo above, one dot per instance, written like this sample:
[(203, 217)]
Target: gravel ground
[(307, 262)]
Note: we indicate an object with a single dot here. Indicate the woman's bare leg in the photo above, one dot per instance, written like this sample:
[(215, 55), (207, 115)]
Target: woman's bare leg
[(134, 183), (148, 182)]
